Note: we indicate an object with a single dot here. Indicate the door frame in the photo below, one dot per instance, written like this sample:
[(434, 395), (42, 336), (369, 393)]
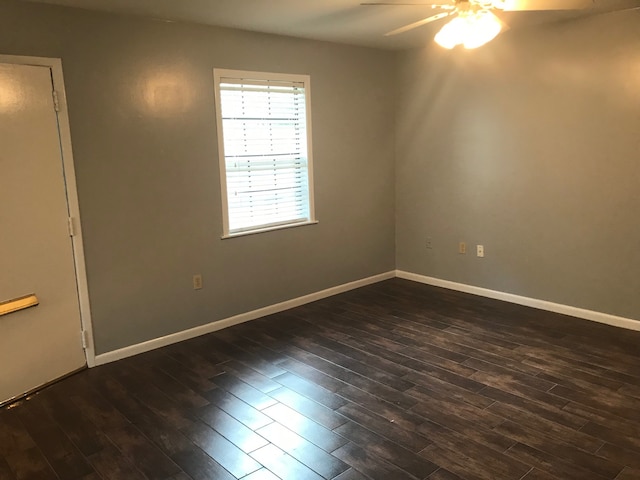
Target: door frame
[(55, 64)]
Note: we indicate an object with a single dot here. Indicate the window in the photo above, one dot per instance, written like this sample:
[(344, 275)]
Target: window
[(264, 141)]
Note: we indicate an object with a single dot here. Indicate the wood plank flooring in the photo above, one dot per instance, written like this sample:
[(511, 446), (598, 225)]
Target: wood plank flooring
[(393, 381)]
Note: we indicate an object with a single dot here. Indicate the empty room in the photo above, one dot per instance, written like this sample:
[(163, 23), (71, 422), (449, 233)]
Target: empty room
[(341, 240)]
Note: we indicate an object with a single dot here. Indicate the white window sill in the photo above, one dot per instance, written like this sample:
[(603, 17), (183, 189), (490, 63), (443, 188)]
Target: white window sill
[(268, 229)]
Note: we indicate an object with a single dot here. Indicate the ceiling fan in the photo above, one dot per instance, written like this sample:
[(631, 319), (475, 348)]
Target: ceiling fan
[(475, 23)]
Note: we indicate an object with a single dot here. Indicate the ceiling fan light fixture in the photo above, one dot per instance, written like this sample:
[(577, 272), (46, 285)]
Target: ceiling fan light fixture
[(485, 28), (452, 33), (472, 30)]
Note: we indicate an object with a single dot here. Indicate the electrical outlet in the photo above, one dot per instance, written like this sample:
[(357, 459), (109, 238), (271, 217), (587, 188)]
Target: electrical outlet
[(462, 248), (197, 282), (428, 243), (480, 250)]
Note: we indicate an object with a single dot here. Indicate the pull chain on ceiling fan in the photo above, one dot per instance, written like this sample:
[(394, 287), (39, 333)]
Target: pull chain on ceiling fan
[(474, 23)]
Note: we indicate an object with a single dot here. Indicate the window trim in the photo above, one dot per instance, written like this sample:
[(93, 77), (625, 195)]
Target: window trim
[(219, 73)]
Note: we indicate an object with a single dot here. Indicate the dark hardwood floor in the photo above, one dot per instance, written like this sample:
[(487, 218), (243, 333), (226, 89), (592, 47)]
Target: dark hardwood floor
[(392, 381)]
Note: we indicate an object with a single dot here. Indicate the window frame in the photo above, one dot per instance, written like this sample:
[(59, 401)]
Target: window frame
[(220, 73)]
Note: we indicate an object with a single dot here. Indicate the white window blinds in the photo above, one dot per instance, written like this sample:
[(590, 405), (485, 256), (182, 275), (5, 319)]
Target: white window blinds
[(265, 152)]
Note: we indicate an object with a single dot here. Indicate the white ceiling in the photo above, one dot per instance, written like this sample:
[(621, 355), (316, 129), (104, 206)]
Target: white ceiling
[(343, 21)]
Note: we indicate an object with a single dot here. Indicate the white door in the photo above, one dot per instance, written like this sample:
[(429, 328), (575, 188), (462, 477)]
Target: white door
[(44, 342)]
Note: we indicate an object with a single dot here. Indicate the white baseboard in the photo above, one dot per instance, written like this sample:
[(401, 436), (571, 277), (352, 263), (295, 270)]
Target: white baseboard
[(235, 320), (594, 316), (591, 315)]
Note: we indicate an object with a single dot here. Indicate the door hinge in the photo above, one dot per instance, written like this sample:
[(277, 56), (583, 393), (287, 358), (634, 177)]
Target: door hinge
[(71, 226), (56, 102), (85, 339)]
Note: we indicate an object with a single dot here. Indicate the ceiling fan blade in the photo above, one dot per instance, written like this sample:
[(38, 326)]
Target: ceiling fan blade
[(442, 4), (419, 23), (538, 5)]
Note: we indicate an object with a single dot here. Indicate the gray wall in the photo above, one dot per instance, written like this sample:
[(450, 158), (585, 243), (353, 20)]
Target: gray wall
[(529, 146), (140, 95)]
